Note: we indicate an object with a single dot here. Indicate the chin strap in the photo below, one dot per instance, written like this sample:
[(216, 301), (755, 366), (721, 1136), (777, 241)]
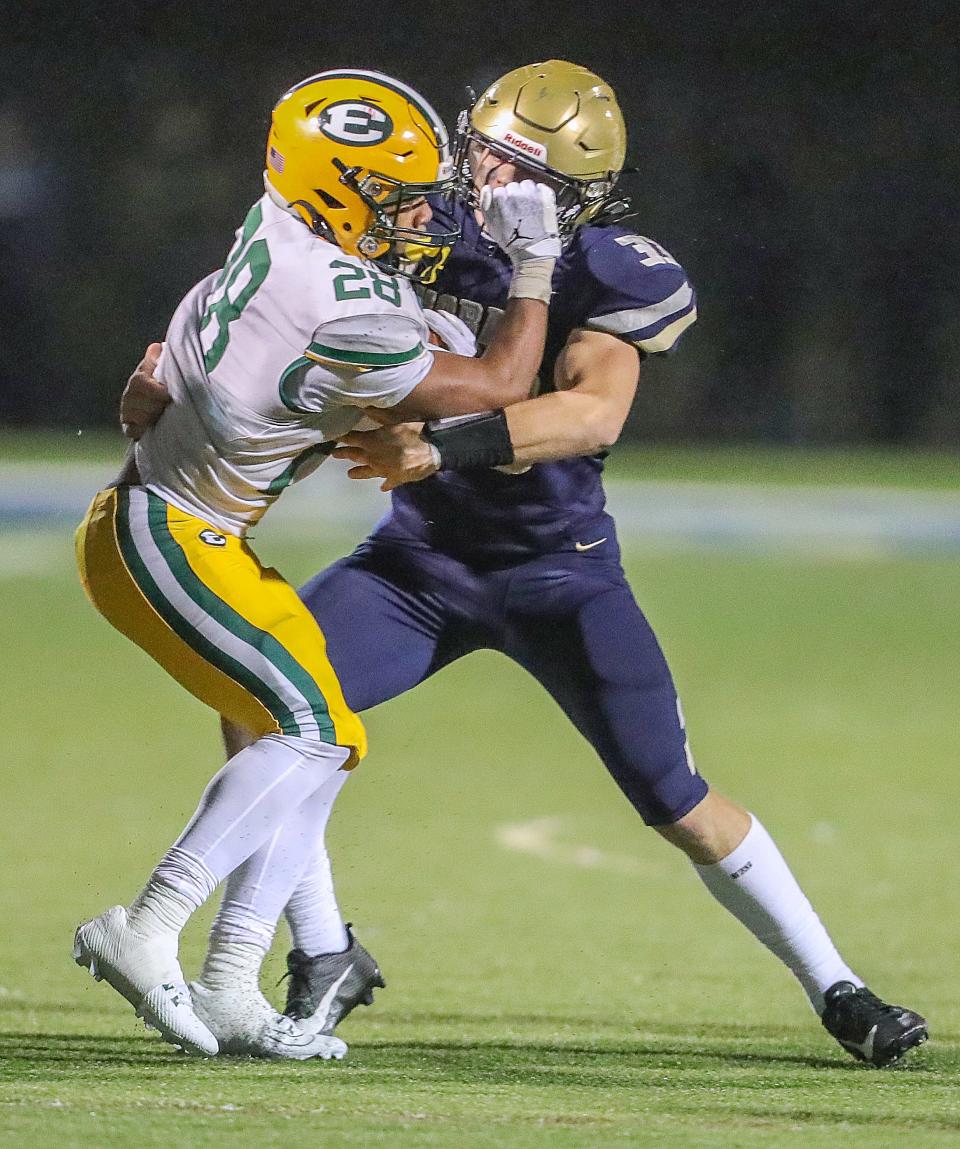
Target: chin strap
[(317, 224), (614, 212)]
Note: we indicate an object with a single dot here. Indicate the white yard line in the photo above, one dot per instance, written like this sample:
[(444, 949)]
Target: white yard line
[(831, 521), (28, 553), (544, 838), (541, 838)]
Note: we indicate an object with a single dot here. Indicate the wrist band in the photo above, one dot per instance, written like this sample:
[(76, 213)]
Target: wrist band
[(532, 279), (471, 440)]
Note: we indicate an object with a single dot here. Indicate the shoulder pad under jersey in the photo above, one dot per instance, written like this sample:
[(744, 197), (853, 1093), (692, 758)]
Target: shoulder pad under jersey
[(642, 293), (369, 341)]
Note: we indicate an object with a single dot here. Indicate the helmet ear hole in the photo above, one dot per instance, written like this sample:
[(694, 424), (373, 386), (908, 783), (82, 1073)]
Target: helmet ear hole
[(328, 199)]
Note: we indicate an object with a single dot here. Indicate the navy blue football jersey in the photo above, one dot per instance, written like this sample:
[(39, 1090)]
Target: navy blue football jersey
[(607, 279)]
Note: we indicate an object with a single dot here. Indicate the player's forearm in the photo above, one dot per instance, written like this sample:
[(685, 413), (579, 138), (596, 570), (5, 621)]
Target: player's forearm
[(561, 424), (512, 360), (554, 426), (505, 374), (521, 217), (596, 377)]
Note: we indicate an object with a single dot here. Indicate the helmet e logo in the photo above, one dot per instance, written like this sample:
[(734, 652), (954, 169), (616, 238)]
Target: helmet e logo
[(350, 122)]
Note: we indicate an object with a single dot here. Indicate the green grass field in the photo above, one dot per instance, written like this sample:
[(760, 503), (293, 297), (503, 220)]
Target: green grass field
[(747, 463), (556, 974)]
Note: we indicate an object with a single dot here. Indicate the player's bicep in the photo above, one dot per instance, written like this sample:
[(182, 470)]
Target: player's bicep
[(604, 371), (598, 364)]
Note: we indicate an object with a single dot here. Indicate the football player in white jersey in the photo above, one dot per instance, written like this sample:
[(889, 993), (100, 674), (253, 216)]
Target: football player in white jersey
[(621, 294), (267, 362)]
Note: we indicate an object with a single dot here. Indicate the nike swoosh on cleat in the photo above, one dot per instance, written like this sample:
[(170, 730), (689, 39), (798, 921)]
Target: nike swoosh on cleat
[(319, 1019), (864, 1047), (581, 547)]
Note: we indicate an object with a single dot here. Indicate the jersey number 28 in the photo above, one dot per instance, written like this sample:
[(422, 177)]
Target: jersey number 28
[(243, 273)]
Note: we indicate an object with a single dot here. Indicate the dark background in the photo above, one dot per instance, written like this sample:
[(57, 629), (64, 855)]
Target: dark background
[(801, 160)]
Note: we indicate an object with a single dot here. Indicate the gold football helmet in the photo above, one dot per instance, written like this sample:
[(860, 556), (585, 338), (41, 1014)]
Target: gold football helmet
[(348, 149), (558, 122)]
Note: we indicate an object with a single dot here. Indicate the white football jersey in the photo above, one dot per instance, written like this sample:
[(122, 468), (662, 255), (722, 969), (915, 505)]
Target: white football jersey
[(269, 360)]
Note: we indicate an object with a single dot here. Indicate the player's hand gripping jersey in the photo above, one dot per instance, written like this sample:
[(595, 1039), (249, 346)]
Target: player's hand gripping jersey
[(271, 358), (608, 279)]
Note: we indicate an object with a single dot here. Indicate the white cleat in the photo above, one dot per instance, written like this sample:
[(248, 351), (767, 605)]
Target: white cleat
[(147, 973), (246, 1023)]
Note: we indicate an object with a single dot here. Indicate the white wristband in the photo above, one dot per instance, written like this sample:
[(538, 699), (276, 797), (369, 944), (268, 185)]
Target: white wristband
[(532, 279)]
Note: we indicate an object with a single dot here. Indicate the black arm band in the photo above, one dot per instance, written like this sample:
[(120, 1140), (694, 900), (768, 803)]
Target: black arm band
[(471, 440)]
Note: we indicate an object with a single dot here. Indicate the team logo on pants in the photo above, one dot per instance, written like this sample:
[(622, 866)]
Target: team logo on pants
[(212, 539)]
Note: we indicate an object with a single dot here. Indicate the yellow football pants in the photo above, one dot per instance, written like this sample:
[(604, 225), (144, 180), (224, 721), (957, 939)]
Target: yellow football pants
[(233, 632)]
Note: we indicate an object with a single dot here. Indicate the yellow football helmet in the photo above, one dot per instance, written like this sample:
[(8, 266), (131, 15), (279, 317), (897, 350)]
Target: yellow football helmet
[(348, 149), (559, 122)]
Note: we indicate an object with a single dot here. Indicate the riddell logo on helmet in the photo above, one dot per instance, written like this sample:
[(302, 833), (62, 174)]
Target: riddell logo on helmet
[(529, 147)]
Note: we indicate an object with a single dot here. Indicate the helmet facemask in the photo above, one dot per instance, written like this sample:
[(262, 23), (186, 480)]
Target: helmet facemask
[(401, 249), (578, 200), (558, 123)]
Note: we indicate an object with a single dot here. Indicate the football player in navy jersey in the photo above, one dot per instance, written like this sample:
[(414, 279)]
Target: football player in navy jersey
[(498, 538)]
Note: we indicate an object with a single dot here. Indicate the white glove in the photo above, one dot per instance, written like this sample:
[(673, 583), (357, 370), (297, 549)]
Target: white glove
[(521, 218)]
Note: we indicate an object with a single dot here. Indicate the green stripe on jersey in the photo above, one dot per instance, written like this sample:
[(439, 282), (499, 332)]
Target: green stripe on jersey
[(290, 381), (294, 373), (289, 473), (364, 358)]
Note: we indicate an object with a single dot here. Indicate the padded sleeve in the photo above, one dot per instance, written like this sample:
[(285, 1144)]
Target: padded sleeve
[(643, 295)]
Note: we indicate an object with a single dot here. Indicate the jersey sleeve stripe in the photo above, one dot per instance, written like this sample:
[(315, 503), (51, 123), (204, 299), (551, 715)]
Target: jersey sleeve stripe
[(290, 383), (320, 352), (664, 339), (644, 333), (639, 319)]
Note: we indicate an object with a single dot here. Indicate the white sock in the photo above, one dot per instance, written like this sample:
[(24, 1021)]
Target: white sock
[(258, 889), (232, 965), (755, 884), (160, 909), (242, 806), (248, 800), (312, 911)]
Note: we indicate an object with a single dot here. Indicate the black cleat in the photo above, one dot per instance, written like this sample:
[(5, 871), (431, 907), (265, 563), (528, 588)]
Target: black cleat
[(867, 1027), (331, 985)]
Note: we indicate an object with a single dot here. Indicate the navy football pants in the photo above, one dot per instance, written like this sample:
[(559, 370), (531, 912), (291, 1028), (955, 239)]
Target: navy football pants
[(393, 614)]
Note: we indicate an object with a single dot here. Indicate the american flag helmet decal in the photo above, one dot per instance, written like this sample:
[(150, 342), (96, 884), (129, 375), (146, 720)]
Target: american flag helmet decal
[(276, 159)]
